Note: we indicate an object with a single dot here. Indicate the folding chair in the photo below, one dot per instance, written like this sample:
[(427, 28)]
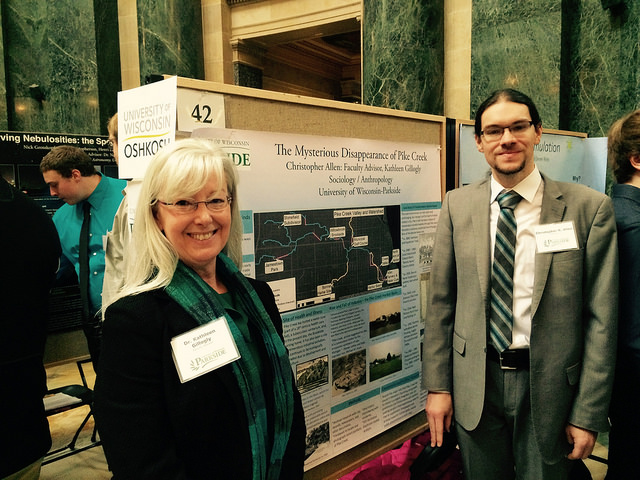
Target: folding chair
[(66, 398)]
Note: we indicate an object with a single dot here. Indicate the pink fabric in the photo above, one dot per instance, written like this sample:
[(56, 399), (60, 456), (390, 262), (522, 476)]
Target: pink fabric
[(392, 465)]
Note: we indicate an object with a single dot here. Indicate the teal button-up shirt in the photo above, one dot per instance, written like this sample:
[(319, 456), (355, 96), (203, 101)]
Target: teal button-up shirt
[(104, 201)]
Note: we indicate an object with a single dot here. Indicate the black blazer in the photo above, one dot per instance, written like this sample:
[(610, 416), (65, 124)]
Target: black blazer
[(30, 257), (154, 427)]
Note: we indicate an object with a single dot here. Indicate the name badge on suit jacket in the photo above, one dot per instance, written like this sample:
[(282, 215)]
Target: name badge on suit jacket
[(556, 237), (203, 349)]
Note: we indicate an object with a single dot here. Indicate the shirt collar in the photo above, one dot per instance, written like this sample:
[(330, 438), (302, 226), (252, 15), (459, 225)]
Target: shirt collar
[(527, 188), (626, 191), (99, 193)]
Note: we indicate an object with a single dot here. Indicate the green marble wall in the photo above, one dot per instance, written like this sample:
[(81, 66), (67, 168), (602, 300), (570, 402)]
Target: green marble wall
[(579, 62), (604, 68), (71, 50), (517, 45), (53, 45), (403, 55), (170, 38)]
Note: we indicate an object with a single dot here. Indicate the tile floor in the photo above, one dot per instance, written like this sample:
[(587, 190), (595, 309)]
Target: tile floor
[(91, 464)]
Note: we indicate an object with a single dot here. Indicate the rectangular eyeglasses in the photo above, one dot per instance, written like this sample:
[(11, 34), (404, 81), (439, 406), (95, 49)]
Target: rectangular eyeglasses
[(495, 132), (185, 206)]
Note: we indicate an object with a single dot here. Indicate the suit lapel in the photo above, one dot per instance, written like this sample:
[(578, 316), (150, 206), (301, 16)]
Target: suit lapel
[(553, 208), (479, 205)]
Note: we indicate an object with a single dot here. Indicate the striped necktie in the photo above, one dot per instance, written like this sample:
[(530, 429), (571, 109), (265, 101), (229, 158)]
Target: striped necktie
[(502, 273)]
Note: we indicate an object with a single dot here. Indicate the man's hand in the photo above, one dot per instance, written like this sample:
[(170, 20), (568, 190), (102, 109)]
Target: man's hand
[(439, 410), (582, 440)]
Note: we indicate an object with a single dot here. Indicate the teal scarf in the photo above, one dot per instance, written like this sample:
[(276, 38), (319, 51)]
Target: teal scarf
[(201, 302)]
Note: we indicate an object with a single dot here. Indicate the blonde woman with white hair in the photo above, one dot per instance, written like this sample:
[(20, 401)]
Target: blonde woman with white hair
[(184, 307)]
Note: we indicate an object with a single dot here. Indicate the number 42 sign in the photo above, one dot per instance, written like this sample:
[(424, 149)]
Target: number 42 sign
[(199, 109)]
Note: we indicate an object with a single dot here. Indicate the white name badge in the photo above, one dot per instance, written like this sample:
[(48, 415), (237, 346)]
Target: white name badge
[(556, 237), (203, 349)]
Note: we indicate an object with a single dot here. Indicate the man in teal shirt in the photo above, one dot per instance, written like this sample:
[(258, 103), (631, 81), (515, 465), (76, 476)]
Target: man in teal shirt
[(72, 177)]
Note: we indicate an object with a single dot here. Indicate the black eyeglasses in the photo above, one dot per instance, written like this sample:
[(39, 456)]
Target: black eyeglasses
[(495, 132), (185, 206)]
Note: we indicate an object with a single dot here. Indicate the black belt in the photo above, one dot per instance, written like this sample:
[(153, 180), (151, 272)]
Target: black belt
[(510, 359)]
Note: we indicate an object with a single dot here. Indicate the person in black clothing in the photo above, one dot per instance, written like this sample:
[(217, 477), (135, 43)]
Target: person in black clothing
[(30, 258), (624, 158)]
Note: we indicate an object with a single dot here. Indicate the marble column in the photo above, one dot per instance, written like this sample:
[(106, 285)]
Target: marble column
[(457, 58), (170, 38), (517, 45), (128, 40), (216, 28), (403, 55), (108, 57), (603, 69), (50, 57)]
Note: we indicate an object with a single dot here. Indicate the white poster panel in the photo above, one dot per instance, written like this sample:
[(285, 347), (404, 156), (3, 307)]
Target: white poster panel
[(146, 122), (342, 229), (562, 157), (595, 154)]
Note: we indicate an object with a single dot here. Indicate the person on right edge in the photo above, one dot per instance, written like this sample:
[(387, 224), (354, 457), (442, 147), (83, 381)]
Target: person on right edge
[(624, 159), (520, 334)]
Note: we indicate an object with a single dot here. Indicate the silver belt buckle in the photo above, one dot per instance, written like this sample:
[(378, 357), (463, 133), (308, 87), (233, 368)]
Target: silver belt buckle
[(504, 367)]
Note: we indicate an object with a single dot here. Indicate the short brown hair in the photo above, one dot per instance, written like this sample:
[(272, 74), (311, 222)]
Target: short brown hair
[(65, 158), (507, 95), (624, 143)]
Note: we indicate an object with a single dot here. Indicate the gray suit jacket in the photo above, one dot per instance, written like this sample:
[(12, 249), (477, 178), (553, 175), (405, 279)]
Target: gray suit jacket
[(574, 312)]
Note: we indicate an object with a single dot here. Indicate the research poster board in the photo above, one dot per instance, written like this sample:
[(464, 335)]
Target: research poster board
[(563, 156), (341, 229), (339, 205), (22, 152)]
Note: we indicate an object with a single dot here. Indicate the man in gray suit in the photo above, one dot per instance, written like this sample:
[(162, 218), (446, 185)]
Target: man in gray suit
[(530, 398)]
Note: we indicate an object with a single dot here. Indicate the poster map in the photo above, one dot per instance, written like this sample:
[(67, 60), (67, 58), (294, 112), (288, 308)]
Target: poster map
[(342, 230), (331, 254)]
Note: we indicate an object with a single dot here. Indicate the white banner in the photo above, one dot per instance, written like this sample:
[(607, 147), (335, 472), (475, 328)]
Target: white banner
[(146, 122)]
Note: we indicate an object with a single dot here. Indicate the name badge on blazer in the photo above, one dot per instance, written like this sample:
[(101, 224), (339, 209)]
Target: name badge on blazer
[(203, 349), (556, 237)]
